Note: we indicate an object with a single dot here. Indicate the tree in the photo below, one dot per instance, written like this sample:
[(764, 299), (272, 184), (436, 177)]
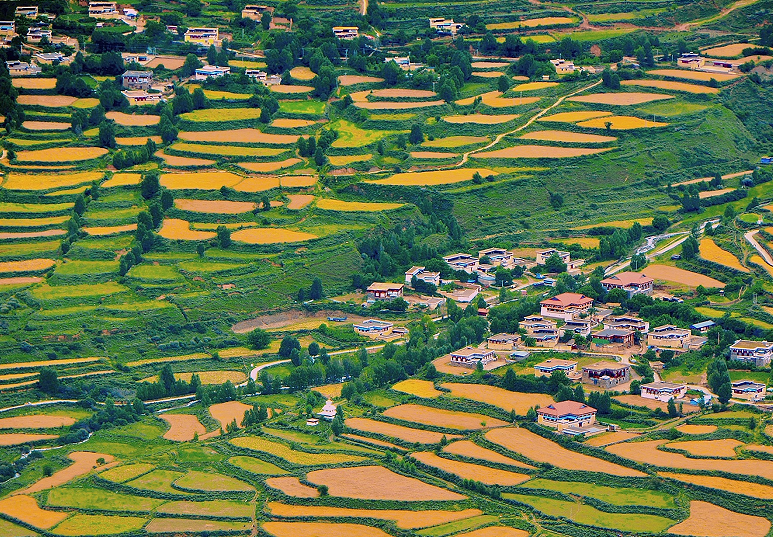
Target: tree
[(167, 130), (316, 292), (503, 83), (554, 264), (719, 380), (193, 8), (672, 411), (223, 237), (288, 344), (338, 426), (167, 200), (391, 73), (150, 185), (661, 223), (107, 134), (313, 348), (319, 157), (191, 64), (265, 20), (199, 99), (200, 249), (48, 381), (258, 339), (416, 136), (80, 205)]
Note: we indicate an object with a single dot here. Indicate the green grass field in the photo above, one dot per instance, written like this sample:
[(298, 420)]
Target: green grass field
[(155, 272), (100, 500), (256, 466), (613, 495)]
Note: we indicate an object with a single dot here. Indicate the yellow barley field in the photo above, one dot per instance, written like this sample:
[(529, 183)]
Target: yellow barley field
[(711, 252), (709, 520), (466, 470), (407, 434), (746, 488), (708, 448), (351, 80), (292, 487), (137, 140), (396, 105), (668, 85), (696, 429), (99, 231), (541, 449), (532, 86), (542, 151), (406, 519), (673, 274), (122, 179), (343, 160), (494, 99), (620, 99), (34, 83), (182, 427), (25, 509), (290, 90), (466, 448), (298, 181), (438, 177), (242, 136), (171, 160), (568, 137), (487, 74), (455, 141), (61, 154), (294, 456), (585, 242), (761, 262), (270, 236), (257, 184), (226, 150), (330, 391), (417, 387), (299, 201), (54, 101), (378, 483), (355, 206), (45, 126), (133, 120), (621, 123), (35, 421), (693, 75), (17, 181), (28, 265), (531, 23), (174, 229), (432, 155), (215, 206), (573, 117), (320, 529), (499, 397), (481, 119), (442, 418), (302, 73), (263, 167), (200, 181)]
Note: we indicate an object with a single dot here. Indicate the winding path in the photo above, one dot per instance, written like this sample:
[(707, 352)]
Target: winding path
[(749, 236)]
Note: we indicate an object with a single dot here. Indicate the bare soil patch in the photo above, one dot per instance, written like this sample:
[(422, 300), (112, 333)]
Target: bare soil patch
[(169, 62), (709, 520), (36, 421), (496, 531), (505, 399), (225, 413), (292, 487), (182, 427), (54, 101), (433, 155)]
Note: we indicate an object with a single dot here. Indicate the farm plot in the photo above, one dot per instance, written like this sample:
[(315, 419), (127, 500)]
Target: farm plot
[(487, 74), (696, 429), (466, 448), (35, 208), (442, 418), (541, 449), (293, 456), (568, 137), (270, 236), (533, 86), (481, 119), (100, 231), (229, 411), (489, 65), (195, 525), (351, 80), (243, 136), (122, 179), (677, 275), (182, 427), (746, 488), (158, 480), (215, 207), (709, 520), (299, 201), (378, 483), (724, 448), (172, 160), (133, 120), (16, 439), (16, 181), (455, 141), (320, 529), (60, 154), (495, 531), (174, 229), (263, 167), (292, 487), (127, 472), (620, 99), (83, 524), (36, 421), (531, 23), (605, 439), (542, 151), (35, 83), (652, 404), (83, 463), (214, 508), (466, 470), (330, 204), (621, 496), (668, 85), (45, 126), (726, 51), (221, 114), (618, 123), (710, 251), (693, 75), (169, 62), (195, 481), (417, 387), (504, 399), (403, 519), (256, 466), (25, 509), (137, 140), (226, 150), (290, 90), (29, 265), (574, 117), (647, 452), (432, 155), (100, 500), (53, 101), (9, 529), (439, 177), (397, 431), (288, 123), (343, 160), (20, 280)]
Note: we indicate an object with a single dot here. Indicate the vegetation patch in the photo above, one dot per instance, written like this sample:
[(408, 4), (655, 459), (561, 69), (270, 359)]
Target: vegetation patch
[(541, 151), (620, 99), (481, 119), (466, 470), (330, 204), (301, 458), (256, 466), (669, 85)]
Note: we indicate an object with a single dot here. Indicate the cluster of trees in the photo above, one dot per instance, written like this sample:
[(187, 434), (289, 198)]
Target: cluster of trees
[(313, 292), (316, 148), (719, 380), (126, 158), (255, 416), (167, 386), (621, 240)]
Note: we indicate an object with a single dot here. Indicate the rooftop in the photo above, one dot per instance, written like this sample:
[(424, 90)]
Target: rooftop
[(384, 286), (555, 362), (601, 366), (470, 351), (565, 408), (663, 386), (568, 299), (612, 332), (747, 344), (627, 278)]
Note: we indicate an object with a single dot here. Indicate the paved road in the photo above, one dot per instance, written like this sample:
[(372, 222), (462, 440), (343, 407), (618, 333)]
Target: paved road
[(749, 236), (41, 403)]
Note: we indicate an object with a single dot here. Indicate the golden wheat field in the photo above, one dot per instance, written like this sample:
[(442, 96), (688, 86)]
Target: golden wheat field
[(45, 125), (669, 85), (133, 120), (28, 265), (122, 179), (709, 520), (257, 184), (542, 151), (343, 160), (710, 251), (175, 229), (299, 201), (693, 75), (225, 150), (481, 119), (35, 421), (34, 83), (674, 274), (214, 206), (417, 387), (433, 155), (726, 51), (330, 204), (466, 470), (494, 99), (746, 488), (292, 487), (288, 123), (17, 181), (54, 101), (243, 136), (378, 483), (351, 80), (98, 231), (400, 432), (25, 509), (213, 180), (172, 160), (182, 427), (696, 429), (229, 411), (568, 137), (320, 529), (262, 167), (270, 236), (499, 397), (61, 154), (438, 417), (290, 90), (620, 99), (438, 177), (298, 181), (396, 105), (466, 448), (621, 123), (724, 448), (532, 86)]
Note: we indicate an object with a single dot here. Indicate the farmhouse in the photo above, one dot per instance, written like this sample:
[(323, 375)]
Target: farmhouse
[(627, 323), (606, 374), (757, 352), (463, 262), (103, 10), (136, 97), (211, 71), (565, 306), (373, 328), (328, 411), (421, 274), (702, 327), (17, 68), (312, 422), (8, 29), (663, 391), (30, 12), (130, 13), (578, 326), (202, 36), (543, 255), (346, 32), (47, 58), (689, 58), (563, 67), (472, 356), (499, 257), (486, 275), (748, 390), (465, 296), (669, 337), (549, 366), (633, 283), (616, 336), (534, 323), (137, 79), (385, 291), (568, 417), (36, 34), (255, 12), (503, 342), (445, 26)]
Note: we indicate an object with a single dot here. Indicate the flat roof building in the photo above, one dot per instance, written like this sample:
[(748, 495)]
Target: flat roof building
[(472, 356), (663, 391), (567, 414)]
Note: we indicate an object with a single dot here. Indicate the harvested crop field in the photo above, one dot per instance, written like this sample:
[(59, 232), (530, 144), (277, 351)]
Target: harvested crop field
[(34, 83), (320, 529), (299, 201), (709, 520), (406, 434), (432, 155), (213, 180), (621, 99), (175, 229), (270, 236), (36, 421), (532, 86), (262, 167), (297, 181), (28, 265), (351, 80), (417, 387), (710, 251), (225, 150), (83, 463), (16, 439), (169, 62), (708, 448), (25, 509), (215, 206), (122, 179), (172, 160), (243, 136), (541, 449), (746, 488), (191, 525), (466, 470), (16, 181), (182, 427), (61, 154), (378, 483), (693, 75), (489, 65), (295, 456), (668, 85), (45, 126), (495, 531), (330, 391), (292, 487), (487, 74), (573, 117), (568, 137), (499, 397), (531, 23), (288, 123), (466, 448), (290, 89), (648, 452), (618, 123), (343, 160), (396, 105), (54, 101), (439, 177), (696, 429), (442, 418), (541, 151), (403, 519), (455, 141), (229, 411), (402, 93), (711, 193), (109, 230), (726, 51), (355, 206), (606, 439), (20, 280), (481, 119), (677, 275), (32, 234)]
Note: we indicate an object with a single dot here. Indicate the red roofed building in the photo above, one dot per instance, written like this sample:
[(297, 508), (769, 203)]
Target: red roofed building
[(632, 283), (566, 414), (566, 306)]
